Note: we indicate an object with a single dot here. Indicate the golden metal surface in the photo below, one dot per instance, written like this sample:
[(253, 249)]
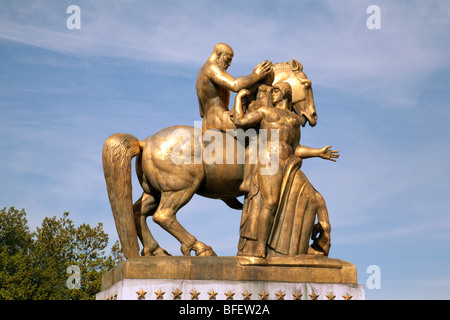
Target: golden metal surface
[(284, 224), (318, 269), (265, 100), (298, 260), (214, 85)]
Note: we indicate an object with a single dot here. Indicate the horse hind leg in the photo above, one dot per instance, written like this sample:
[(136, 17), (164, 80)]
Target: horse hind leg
[(165, 216), (145, 206)]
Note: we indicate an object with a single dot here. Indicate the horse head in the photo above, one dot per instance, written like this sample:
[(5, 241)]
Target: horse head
[(302, 95)]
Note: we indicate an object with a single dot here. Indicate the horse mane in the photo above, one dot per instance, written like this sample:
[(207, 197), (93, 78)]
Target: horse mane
[(293, 65), (282, 65)]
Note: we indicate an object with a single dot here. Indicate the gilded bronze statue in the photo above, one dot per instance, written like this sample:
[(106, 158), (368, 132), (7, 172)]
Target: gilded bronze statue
[(280, 205)]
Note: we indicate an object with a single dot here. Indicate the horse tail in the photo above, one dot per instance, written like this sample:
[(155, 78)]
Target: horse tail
[(118, 151)]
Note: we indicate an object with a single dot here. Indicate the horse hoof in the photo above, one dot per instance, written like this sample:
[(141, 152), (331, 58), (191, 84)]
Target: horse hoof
[(202, 250), (160, 252), (206, 251), (186, 250), (156, 252)]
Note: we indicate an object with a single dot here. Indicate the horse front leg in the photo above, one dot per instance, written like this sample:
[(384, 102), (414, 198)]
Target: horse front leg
[(165, 216)]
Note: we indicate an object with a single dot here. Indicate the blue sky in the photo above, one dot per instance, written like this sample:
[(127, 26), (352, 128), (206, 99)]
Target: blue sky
[(382, 97)]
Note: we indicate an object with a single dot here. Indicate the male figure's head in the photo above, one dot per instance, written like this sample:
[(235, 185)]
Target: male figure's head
[(222, 55)]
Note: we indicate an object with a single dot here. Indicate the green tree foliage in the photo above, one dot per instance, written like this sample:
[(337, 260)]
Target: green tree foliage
[(35, 265)]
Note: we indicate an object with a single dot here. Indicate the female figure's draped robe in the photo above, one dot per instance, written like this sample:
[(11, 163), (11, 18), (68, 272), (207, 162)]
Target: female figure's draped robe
[(294, 219)]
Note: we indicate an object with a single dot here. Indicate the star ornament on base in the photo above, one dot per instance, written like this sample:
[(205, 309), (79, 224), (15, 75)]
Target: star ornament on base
[(264, 295), (229, 295), (177, 294), (281, 295), (314, 296), (347, 296), (194, 294), (141, 294), (212, 295), (330, 296), (159, 294), (297, 295), (246, 295)]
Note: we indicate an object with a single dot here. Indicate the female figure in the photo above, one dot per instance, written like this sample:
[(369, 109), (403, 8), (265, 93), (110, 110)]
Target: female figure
[(279, 120)]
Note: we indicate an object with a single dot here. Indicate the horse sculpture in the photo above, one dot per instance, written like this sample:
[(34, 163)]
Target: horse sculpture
[(168, 186)]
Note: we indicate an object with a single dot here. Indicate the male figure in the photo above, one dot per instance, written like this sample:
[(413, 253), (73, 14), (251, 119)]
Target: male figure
[(214, 85)]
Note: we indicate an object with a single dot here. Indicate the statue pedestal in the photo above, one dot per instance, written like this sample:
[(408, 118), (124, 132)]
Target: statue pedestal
[(302, 277)]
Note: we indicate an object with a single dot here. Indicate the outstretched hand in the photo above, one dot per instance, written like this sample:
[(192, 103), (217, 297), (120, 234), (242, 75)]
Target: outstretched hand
[(327, 154), (263, 69)]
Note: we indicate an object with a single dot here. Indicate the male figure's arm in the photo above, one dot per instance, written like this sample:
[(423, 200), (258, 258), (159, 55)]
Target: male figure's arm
[(224, 80)]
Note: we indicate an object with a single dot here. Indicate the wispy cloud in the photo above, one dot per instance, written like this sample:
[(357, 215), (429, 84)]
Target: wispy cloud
[(180, 32), (330, 38)]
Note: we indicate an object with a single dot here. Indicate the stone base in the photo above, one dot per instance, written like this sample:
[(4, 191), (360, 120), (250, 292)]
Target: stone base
[(304, 277), (165, 289)]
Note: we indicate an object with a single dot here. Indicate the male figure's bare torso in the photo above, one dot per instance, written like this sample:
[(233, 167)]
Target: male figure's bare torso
[(214, 85)]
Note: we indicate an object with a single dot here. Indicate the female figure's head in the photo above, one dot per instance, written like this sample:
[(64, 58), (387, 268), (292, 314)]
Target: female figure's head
[(281, 92)]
